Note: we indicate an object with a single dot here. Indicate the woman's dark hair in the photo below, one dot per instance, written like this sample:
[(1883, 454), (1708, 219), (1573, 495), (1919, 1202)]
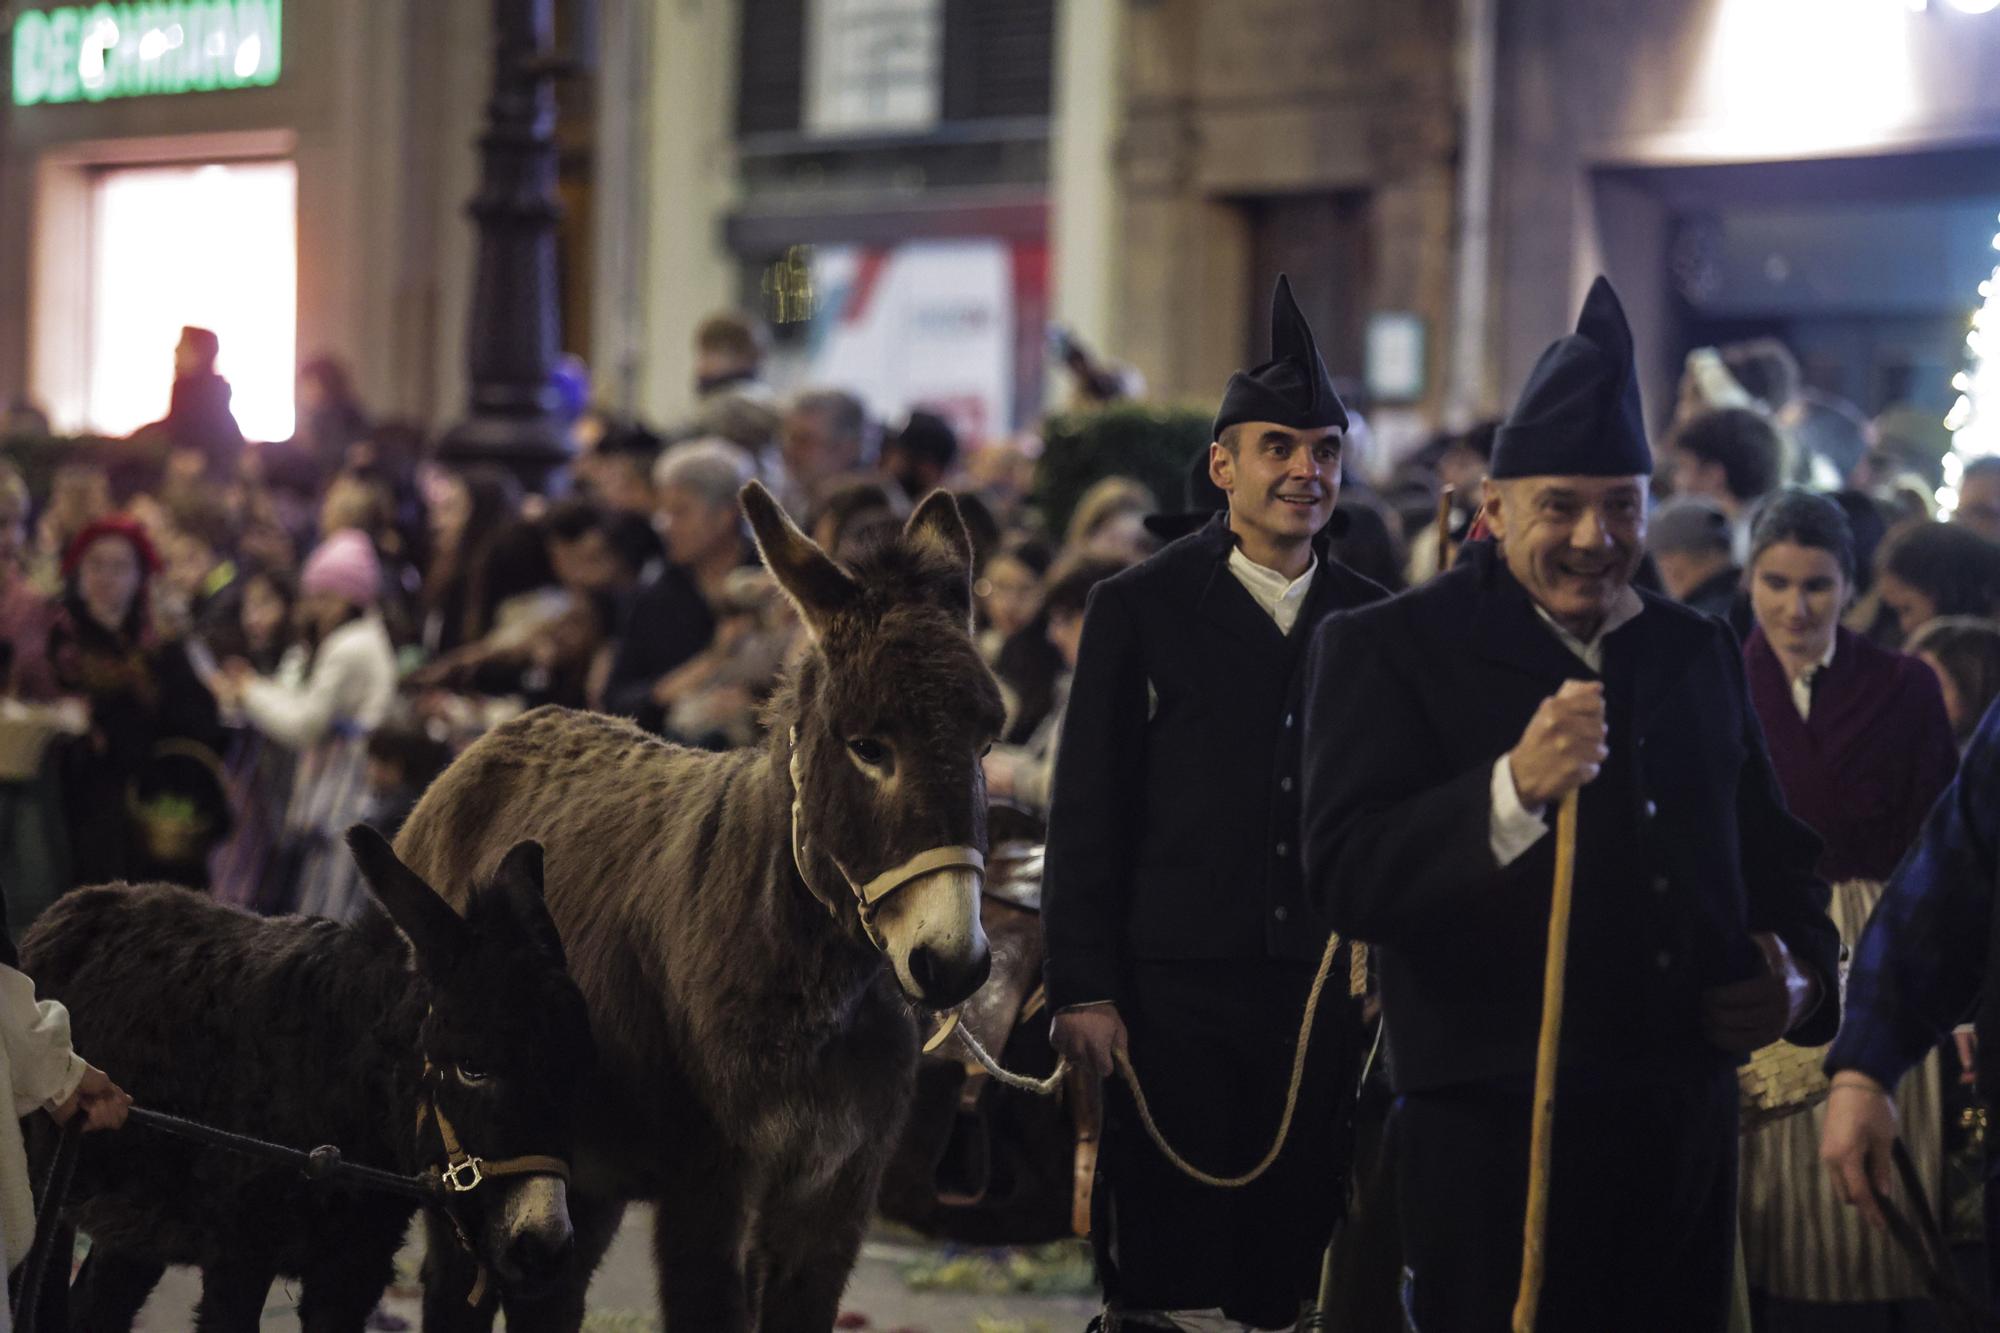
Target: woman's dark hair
[(227, 640), (456, 583), (495, 497), (1805, 519), (1955, 567), (1968, 648)]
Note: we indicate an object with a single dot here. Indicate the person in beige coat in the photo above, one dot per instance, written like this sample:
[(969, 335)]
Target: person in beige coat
[(43, 1071)]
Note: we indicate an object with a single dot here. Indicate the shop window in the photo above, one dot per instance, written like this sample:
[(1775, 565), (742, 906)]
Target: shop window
[(214, 245), (859, 66)]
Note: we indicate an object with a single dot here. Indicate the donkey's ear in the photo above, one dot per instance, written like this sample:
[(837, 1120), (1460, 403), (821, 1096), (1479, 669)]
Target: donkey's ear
[(814, 583), (519, 882), (437, 932), (938, 527)]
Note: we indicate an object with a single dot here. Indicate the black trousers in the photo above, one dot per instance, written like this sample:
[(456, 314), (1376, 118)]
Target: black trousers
[(1213, 1043), (1642, 1204)]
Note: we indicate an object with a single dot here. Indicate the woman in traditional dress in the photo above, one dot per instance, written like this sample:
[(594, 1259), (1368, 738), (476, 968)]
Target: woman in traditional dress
[(1862, 747), (322, 702)]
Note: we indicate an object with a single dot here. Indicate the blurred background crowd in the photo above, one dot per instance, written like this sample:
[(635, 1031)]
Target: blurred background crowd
[(219, 653)]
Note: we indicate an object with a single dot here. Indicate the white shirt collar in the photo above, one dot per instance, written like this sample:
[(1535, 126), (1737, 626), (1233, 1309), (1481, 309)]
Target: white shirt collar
[(1281, 598), (1802, 684), (1623, 611)]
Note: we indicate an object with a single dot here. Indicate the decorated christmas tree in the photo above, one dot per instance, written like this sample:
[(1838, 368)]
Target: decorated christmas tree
[(1974, 420)]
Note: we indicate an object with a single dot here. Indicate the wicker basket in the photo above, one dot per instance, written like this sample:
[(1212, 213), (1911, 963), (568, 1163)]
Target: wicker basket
[(1783, 1079), (1780, 1080)]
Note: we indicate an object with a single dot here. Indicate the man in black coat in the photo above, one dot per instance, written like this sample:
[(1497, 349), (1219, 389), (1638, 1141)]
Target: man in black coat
[(1172, 900), (1443, 729)]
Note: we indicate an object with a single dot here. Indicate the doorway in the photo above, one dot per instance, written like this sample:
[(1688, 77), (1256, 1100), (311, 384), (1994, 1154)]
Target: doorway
[(212, 244)]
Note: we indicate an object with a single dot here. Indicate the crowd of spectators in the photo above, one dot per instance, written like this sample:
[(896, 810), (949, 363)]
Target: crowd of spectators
[(218, 657), (216, 662)]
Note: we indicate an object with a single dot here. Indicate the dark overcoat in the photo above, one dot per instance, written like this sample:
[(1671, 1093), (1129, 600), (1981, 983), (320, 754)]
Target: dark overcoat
[(1173, 828), (1685, 846), (1172, 886)]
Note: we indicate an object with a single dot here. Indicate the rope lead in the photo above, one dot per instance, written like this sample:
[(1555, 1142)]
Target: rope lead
[(1046, 1087)]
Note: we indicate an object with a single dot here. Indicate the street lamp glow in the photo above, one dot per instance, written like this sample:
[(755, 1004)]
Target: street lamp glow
[(1975, 6)]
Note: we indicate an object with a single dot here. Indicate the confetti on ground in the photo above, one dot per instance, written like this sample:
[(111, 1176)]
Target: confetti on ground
[(1060, 1269), (619, 1321)]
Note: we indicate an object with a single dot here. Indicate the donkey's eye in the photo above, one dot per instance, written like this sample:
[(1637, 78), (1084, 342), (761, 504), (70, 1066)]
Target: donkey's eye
[(869, 750), (470, 1075)]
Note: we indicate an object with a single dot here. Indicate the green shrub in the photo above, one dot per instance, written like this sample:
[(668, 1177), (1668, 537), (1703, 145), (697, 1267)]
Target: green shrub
[(1151, 444)]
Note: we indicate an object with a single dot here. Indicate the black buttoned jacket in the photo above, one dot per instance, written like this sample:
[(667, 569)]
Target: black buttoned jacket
[(1685, 847), (1173, 827)]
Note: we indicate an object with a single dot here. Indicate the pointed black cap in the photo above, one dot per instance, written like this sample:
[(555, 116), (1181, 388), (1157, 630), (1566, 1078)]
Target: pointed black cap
[(1579, 414), (1292, 388)]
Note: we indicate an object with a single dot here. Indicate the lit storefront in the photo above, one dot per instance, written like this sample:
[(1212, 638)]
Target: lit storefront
[(268, 169), (1818, 170)]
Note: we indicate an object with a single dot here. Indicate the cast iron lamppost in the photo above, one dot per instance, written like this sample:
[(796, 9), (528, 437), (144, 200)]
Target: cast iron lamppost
[(513, 338)]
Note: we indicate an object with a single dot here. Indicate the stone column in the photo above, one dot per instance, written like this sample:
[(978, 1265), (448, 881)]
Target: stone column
[(1084, 184)]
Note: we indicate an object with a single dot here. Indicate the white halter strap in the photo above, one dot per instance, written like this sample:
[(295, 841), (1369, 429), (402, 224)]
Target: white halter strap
[(868, 896)]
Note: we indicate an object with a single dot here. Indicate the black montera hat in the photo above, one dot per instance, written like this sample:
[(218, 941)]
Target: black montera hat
[(1579, 414), (1292, 388)]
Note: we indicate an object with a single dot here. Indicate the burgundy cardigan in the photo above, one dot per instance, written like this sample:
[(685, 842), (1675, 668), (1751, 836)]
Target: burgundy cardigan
[(1864, 771)]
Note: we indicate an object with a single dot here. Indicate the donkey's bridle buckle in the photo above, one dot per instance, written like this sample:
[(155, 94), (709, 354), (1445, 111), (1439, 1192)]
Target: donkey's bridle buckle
[(463, 1177)]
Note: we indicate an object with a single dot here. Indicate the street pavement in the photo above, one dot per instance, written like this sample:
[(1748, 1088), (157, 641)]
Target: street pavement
[(622, 1298)]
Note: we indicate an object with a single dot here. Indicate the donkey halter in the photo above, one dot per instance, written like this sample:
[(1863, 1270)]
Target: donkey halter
[(462, 1173), (868, 897)]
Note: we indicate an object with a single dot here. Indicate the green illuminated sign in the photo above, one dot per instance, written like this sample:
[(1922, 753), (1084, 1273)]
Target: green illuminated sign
[(86, 53)]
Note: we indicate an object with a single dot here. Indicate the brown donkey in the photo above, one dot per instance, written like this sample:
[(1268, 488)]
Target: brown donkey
[(751, 930)]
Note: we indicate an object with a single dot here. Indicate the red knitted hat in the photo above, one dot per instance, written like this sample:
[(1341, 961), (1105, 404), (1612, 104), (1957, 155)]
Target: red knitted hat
[(112, 525)]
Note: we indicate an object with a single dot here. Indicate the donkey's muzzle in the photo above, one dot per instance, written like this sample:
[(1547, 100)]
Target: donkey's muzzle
[(931, 933), (532, 1241), (945, 981), (535, 1260)]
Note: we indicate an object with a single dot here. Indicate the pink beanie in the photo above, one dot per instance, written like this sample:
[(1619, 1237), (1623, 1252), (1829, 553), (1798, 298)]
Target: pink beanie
[(344, 564)]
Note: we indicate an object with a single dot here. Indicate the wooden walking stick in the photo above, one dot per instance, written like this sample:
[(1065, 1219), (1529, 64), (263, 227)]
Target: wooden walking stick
[(1533, 1253)]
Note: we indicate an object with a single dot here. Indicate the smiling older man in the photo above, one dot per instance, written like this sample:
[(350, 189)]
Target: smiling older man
[(1441, 728)]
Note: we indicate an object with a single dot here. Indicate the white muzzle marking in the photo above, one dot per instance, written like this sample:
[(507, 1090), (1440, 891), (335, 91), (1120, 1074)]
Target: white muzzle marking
[(938, 911), (538, 1206)]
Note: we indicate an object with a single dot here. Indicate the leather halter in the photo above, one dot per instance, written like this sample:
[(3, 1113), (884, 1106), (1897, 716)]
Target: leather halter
[(462, 1173), (869, 896)]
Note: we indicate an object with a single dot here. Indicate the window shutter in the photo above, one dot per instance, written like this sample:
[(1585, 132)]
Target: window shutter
[(771, 63), (998, 58)]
